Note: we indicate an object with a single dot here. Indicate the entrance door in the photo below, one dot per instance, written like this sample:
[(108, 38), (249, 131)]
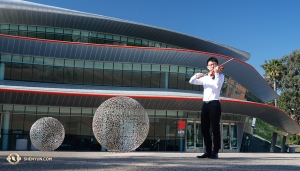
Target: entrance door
[(194, 139)]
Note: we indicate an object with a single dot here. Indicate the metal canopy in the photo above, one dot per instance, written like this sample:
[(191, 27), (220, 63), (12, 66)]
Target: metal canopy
[(28, 13)]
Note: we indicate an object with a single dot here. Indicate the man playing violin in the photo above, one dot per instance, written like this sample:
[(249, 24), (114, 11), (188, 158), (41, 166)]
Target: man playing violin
[(211, 108)]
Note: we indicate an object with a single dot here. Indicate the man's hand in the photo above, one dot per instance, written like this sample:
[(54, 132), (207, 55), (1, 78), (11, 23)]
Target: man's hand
[(199, 75), (217, 69)]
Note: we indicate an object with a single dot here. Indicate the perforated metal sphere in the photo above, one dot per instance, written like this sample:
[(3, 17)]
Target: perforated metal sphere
[(120, 124), (47, 134)]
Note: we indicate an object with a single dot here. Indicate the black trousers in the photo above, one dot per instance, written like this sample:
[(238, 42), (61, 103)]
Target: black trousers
[(210, 119)]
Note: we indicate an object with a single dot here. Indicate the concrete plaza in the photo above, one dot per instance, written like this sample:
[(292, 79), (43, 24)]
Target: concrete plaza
[(148, 161)]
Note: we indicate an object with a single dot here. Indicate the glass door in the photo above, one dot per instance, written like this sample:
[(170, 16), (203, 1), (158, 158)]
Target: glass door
[(194, 139)]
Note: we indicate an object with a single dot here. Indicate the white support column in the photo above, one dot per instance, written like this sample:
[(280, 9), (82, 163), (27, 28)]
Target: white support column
[(2, 70), (5, 129)]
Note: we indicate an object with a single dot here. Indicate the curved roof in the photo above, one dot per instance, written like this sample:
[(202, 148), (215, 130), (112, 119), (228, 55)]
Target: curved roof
[(49, 94), (240, 71), (28, 13)]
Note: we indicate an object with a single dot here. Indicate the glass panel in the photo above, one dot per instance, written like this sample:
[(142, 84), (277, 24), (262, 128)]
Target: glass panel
[(22, 27), (117, 77), (157, 45), (88, 64), (27, 59), (16, 58), (107, 79), (146, 67), (48, 74), (98, 76), (233, 136), (155, 77), (165, 68), (4, 26), (50, 30), (155, 67), (108, 36), (38, 60), (172, 114), (137, 67), (5, 57), (98, 65), (127, 66), (68, 75), (131, 40), (16, 71), (118, 66), (42, 110), (76, 32), (88, 76), (137, 75), (190, 135), (79, 63), (182, 69), (173, 81), (127, 77), (18, 109), (41, 29), (171, 128), (48, 61), (54, 110), (199, 137), (100, 35), (30, 109), (86, 111), (27, 72), (116, 38), (28, 122), (13, 27), (160, 113), (37, 72), (85, 33), (150, 113), (93, 34), (86, 126), (146, 78), (78, 75), (173, 68), (108, 65), (64, 111), (66, 31), (145, 42), (226, 138), (69, 63), (31, 28), (58, 30)]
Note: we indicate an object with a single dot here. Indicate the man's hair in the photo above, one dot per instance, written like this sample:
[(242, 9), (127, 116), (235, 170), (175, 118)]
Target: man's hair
[(212, 59)]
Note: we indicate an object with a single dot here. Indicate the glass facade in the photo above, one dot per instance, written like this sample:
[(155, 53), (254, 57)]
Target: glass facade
[(165, 134), (98, 73), (77, 36)]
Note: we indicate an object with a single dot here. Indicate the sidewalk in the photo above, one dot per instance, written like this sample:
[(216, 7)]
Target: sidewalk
[(148, 161)]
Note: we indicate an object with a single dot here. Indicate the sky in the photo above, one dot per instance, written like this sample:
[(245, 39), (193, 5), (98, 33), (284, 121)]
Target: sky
[(267, 29)]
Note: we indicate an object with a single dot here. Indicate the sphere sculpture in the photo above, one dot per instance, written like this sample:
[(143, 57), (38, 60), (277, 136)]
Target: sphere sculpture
[(47, 134), (120, 124)]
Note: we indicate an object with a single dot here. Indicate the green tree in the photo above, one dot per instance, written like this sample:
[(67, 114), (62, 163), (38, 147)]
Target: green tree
[(290, 84), (273, 72)]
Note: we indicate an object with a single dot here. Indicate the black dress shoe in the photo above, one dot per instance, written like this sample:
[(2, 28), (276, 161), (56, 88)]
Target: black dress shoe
[(205, 155), (214, 155)]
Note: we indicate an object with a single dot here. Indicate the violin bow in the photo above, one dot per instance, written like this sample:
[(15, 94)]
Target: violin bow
[(226, 61)]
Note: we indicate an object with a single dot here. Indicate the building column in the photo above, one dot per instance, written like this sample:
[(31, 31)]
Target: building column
[(5, 129), (166, 80), (240, 131), (283, 144), (273, 143), (2, 69)]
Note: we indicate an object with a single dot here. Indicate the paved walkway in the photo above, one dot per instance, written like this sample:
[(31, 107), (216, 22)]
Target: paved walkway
[(148, 161)]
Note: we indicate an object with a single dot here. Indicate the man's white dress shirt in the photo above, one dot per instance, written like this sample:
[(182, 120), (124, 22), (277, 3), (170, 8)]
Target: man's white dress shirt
[(212, 87)]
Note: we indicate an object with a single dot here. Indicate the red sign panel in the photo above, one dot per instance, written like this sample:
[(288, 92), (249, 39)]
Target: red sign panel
[(181, 125)]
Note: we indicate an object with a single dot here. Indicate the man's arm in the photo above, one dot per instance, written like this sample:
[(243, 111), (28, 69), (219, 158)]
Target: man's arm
[(196, 79)]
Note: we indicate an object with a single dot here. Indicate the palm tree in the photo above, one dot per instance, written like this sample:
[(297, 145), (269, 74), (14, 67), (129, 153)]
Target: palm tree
[(274, 71)]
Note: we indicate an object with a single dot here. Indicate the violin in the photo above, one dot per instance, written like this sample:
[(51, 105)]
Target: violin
[(213, 72)]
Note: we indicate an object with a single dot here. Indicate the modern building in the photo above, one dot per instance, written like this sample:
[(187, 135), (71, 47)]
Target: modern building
[(63, 63)]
